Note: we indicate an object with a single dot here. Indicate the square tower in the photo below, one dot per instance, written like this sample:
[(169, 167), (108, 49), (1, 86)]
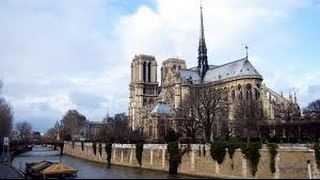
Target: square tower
[(143, 87)]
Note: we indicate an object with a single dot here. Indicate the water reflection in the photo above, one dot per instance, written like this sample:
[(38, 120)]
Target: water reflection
[(87, 169)]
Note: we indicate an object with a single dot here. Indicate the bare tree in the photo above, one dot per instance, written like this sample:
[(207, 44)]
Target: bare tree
[(50, 134), (201, 110), (187, 117), (25, 129), (287, 112), (248, 117), (6, 118), (71, 123), (312, 111), (213, 105)]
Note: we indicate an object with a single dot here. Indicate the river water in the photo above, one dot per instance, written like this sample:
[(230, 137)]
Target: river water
[(87, 169)]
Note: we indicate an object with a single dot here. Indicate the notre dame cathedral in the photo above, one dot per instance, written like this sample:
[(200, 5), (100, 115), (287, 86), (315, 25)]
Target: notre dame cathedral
[(149, 103)]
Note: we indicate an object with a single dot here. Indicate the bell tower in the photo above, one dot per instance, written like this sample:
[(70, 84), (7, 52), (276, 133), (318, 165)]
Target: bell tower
[(143, 87)]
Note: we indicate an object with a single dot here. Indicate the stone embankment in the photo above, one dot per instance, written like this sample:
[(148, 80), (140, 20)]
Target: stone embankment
[(290, 162)]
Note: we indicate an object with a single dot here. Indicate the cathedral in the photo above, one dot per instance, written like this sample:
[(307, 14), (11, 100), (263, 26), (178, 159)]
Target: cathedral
[(151, 104)]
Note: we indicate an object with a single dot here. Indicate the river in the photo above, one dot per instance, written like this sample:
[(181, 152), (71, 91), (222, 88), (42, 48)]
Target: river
[(87, 169)]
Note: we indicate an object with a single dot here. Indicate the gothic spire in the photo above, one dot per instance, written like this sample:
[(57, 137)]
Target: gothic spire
[(202, 49)]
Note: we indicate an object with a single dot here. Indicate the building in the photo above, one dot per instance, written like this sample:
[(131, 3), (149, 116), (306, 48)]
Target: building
[(152, 106)]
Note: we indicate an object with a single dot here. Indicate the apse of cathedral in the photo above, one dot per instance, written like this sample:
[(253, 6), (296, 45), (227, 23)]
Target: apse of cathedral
[(151, 103)]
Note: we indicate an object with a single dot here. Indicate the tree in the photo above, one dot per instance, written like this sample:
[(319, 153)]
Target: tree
[(187, 116), (249, 116), (117, 130), (209, 104), (25, 129), (72, 122), (50, 134), (287, 112), (6, 118), (312, 111)]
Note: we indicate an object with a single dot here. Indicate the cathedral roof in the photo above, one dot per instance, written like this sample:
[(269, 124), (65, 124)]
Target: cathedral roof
[(162, 108), (241, 67), (190, 75), (238, 68)]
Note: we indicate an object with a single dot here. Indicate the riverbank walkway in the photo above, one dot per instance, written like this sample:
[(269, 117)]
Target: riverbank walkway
[(8, 172)]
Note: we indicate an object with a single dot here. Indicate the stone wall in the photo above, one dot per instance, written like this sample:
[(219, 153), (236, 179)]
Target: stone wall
[(291, 162)]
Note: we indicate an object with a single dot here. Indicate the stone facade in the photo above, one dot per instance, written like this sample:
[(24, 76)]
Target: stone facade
[(238, 78), (291, 162)]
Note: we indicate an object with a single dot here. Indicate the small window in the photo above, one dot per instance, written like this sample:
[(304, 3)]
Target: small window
[(248, 86), (233, 94), (240, 95), (239, 87), (258, 85), (257, 93)]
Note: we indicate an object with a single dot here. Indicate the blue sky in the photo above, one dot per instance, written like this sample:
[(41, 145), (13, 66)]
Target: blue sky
[(75, 54)]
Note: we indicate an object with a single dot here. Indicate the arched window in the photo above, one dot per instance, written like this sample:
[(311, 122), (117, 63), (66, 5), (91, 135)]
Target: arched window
[(233, 94), (240, 95), (144, 71), (239, 86), (257, 94), (174, 67), (249, 91), (149, 72)]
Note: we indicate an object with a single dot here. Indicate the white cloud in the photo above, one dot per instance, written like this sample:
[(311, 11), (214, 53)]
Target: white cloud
[(52, 53)]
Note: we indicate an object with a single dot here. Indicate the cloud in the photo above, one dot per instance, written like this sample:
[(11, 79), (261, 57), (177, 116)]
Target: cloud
[(60, 55)]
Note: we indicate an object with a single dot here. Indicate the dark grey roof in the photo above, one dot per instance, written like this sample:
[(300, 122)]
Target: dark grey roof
[(190, 75), (238, 68), (162, 108), (233, 69)]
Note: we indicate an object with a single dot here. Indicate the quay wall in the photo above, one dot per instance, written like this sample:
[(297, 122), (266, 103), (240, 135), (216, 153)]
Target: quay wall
[(290, 162)]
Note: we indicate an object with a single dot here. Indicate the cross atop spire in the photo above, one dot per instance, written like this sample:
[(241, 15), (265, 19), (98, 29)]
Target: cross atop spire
[(202, 49)]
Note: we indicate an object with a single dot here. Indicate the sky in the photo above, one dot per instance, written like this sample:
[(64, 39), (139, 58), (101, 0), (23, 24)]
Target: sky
[(76, 54)]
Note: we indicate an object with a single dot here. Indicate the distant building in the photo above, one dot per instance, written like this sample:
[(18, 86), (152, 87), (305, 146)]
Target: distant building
[(91, 130)]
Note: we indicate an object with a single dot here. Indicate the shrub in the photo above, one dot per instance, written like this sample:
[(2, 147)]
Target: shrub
[(251, 152), (82, 145), (100, 149), (108, 149), (139, 150), (316, 148), (175, 157), (233, 144), (94, 146), (273, 152), (218, 151)]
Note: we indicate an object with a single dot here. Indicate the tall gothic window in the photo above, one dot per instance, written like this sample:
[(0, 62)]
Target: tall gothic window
[(149, 72), (249, 91), (233, 94), (240, 95), (257, 94), (144, 71)]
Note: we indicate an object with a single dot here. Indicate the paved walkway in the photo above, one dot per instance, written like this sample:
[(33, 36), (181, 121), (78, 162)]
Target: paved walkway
[(7, 172)]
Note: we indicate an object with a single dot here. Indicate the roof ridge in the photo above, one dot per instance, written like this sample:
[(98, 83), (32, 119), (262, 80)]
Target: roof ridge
[(230, 62)]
